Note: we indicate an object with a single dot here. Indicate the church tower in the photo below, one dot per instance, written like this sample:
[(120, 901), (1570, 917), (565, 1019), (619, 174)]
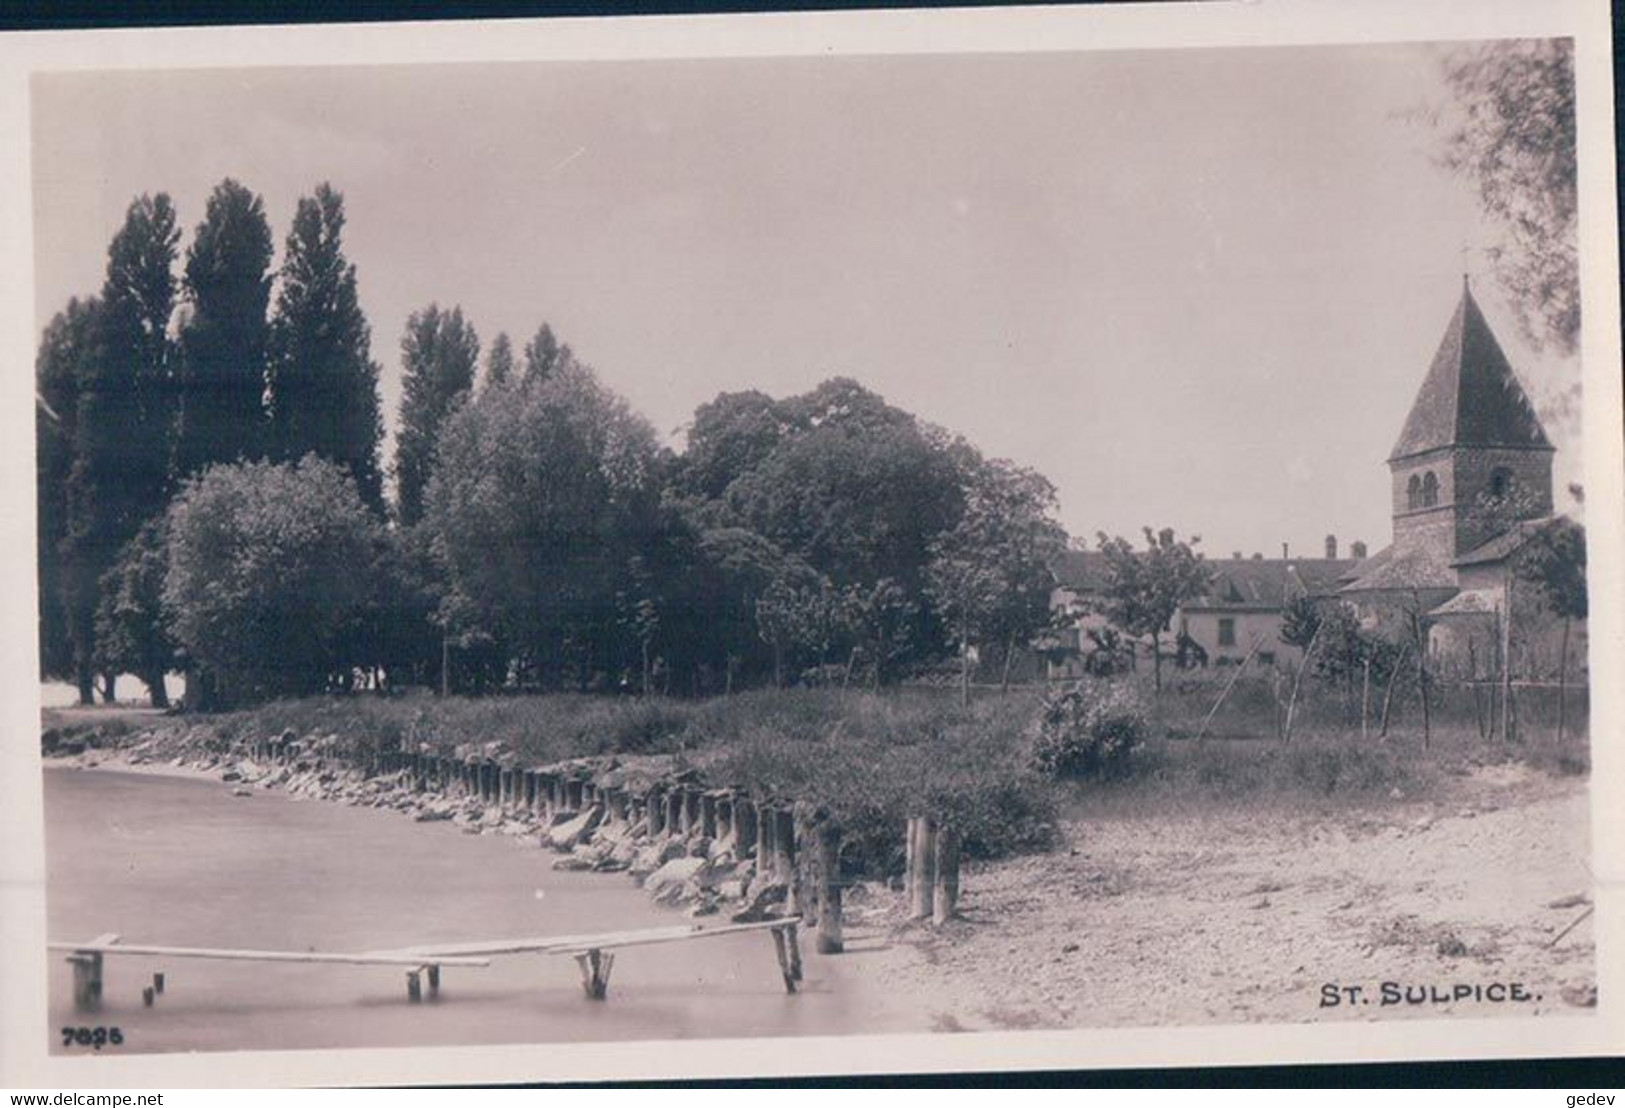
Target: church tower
[(1471, 432)]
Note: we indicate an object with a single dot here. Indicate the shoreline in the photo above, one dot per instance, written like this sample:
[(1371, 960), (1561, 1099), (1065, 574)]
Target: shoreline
[(1223, 916)]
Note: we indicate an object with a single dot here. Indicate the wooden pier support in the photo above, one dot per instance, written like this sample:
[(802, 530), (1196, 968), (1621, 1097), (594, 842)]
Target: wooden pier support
[(654, 803), (784, 858), (433, 973), (788, 948), (674, 812), (708, 815), (147, 997), (766, 826), (414, 986), (572, 794), (744, 822), (158, 983), (595, 966)]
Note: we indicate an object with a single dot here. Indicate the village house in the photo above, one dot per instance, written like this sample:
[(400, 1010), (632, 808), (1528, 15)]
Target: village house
[(1471, 488)]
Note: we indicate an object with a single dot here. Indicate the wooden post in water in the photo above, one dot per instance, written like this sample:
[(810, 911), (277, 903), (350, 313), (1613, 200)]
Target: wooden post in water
[(745, 826), (708, 815), (87, 981), (654, 803), (766, 825), (674, 812), (945, 896), (784, 857), (725, 819), (691, 810), (829, 889), (572, 794), (922, 870)]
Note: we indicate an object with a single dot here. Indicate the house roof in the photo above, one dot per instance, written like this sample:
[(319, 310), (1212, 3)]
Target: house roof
[(1393, 568), (1470, 396), (1269, 583), (1257, 583)]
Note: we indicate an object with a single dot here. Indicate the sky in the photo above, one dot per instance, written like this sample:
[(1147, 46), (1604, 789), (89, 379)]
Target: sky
[(1195, 288)]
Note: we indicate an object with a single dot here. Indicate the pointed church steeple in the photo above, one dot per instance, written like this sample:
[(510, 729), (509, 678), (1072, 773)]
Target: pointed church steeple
[(1470, 396)]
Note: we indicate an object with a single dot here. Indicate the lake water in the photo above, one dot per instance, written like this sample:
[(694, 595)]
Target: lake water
[(181, 862)]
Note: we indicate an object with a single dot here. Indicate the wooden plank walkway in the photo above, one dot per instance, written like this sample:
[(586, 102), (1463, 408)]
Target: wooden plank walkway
[(594, 954)]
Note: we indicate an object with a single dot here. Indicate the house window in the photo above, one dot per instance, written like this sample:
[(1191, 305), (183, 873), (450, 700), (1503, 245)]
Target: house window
[(1500, 481), (1266, 657), (1227, 632), (1413, 493), (1430, 490)]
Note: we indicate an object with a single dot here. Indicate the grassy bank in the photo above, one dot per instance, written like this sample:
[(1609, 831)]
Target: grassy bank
[(875, 759)]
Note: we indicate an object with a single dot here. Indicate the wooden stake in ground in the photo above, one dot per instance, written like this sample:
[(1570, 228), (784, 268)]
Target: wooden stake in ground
[(945, 894), (1201, 732), (1297, 680), (1388, 693), (1365, 698)]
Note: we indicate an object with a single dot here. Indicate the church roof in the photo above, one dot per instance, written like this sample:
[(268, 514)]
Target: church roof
[(1470, 396)]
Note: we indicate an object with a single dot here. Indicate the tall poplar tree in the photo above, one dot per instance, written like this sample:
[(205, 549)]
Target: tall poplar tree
[(439, 352), (222, 380), (499, 361), (324, 383), (120, 474), (64, 347)]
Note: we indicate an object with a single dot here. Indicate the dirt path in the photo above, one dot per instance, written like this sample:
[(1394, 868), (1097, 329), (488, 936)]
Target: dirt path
[(1240, 917)]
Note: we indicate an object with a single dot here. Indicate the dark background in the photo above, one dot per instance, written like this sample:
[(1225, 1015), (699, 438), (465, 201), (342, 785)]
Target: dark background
[(1576, 1073)]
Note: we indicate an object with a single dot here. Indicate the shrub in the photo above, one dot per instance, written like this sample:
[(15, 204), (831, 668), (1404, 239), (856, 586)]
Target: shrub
[(1091, 729)]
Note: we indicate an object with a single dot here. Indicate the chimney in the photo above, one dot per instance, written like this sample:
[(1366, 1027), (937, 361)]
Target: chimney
[(1331, 548), (1236, 554), (1357, 550), (1284, 554), (1257, 557)]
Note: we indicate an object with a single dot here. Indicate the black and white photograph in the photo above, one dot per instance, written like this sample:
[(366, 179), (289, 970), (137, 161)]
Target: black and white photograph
[(905, 541)]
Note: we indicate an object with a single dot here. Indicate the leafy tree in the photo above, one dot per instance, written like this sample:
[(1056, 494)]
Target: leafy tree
[(499, 361), (989, 575), (224, 341), (1557, 566), (541, 495), (730, 437), (64, 348), (271, 569), (131, 636), (799, 611), (439, 353), (1143, 589), (324, 384), (1512, 135), (123, 420), (883, 617)]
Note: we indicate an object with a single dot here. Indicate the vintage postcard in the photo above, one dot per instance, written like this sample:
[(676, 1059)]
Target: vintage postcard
[(811, 544)]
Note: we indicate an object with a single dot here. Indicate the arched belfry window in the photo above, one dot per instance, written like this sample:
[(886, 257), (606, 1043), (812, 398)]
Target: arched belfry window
[(1413, 493), (1501, 481), (1430, 490)]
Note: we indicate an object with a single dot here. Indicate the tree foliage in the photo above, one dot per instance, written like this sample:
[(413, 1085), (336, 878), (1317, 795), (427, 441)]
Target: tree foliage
[(64, 350), (1143, 589), (119, 474), (271, 573), (223, 342), (131, 632), (541, 495), (499, 368), (324, 383), (439, 353), (1512, 135)]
